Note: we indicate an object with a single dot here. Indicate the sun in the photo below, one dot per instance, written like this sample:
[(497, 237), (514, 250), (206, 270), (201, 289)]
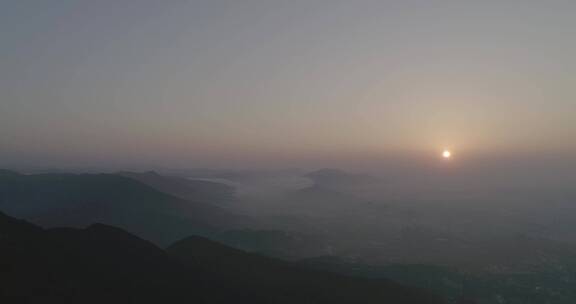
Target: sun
[(446, 154)]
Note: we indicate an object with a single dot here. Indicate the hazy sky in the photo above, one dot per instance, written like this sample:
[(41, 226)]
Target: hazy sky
[(289, 82)]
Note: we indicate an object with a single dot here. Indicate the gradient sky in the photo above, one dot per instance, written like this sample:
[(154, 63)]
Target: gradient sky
[(291, 82)]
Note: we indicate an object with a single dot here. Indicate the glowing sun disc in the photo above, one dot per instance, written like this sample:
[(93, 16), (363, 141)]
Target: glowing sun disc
[(446, 154)]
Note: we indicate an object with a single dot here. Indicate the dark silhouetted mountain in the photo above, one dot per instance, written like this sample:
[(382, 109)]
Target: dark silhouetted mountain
[(16, 228), (284, 282), (99, 264), (104, 264), (190, 190), (79, 200)]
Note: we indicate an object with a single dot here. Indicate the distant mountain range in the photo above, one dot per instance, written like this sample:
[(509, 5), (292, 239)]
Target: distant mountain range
[(350, 251), (81, 199), (104, 264), (184, 188)]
